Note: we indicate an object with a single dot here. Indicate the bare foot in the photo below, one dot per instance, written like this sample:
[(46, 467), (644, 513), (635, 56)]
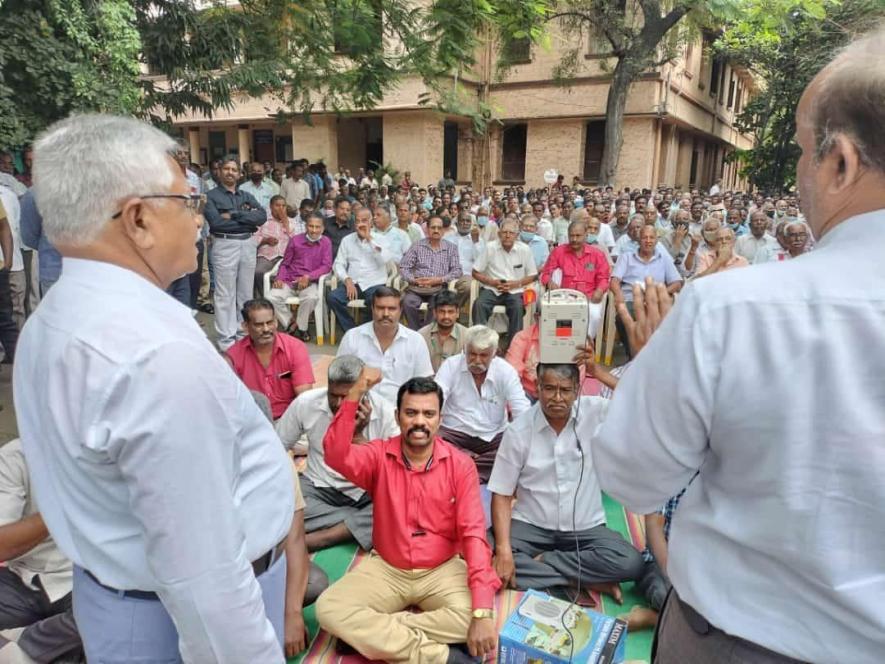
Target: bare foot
[(639, 618), (612, 589)]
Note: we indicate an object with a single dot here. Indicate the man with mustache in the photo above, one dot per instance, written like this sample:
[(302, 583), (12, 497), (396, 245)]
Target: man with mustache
[(480, 388), (545, 458), (429, 535), (277, 365), (399, 353)]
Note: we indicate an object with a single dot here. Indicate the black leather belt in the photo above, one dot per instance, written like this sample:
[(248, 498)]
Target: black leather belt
[(259, 566), (232, 236)]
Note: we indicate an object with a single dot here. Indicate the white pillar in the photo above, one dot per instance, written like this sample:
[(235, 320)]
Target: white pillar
[(193, 136), (244, 143)]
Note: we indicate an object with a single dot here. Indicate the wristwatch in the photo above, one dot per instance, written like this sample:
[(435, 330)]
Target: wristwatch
[(483, 613)]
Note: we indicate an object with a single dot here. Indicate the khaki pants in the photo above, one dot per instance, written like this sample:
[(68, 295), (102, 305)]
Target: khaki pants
[(18, 286), (367, 609), (309, 298)]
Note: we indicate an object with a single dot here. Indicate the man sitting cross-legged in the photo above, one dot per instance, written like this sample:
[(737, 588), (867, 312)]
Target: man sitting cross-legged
[(479, 389), (431, 551), (335, 509), (544, 459)]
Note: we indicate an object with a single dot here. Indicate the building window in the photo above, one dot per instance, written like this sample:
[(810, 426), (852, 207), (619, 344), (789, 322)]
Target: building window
[(731, 93), (722, 84), (715, 73), (517, 50), (737, 98), (594, 142), (513, 152), (598, 46)]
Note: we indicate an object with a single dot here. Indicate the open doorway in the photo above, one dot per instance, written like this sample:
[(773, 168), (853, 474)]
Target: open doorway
[(450, 149)]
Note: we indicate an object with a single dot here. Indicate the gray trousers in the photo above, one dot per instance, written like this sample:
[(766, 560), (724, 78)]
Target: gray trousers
[(605, 556), (683, 635), (415, 318), (325, 507), (18, 289), (654, 585), (125, 629), (50, 630), (262, 267), (309, 298), (234, 264), (481, 451)]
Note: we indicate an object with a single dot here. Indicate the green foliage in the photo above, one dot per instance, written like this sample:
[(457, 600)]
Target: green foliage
[(388, 169), (787, 55), (64, 56)]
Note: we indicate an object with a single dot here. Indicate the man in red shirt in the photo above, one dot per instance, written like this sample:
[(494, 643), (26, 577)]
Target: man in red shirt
[(583, 268), (274, 364), (430, 546)]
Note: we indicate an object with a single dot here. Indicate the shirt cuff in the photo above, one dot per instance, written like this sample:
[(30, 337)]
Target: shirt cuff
[(483, 597)]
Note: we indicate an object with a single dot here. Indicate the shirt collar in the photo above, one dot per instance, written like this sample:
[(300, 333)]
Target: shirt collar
[(393, 447)]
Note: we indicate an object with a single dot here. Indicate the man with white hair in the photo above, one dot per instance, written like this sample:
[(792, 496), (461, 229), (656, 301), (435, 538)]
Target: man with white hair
[(154, 470), (336, 510), (790, 497), (479, 388), (758, 241), (504, 270)]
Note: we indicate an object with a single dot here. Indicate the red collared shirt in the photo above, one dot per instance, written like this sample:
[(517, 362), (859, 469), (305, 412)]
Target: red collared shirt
[(423, 516), (586, 273), (289, 366)]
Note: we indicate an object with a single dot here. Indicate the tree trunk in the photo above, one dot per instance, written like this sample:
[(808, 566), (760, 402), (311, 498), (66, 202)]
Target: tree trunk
[(614, 122)]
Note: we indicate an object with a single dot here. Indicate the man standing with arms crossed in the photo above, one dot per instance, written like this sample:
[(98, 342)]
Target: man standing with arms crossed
[(155, 472)]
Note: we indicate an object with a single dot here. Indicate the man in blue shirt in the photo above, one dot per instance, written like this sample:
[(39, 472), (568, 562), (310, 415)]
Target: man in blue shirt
[(33, 236)]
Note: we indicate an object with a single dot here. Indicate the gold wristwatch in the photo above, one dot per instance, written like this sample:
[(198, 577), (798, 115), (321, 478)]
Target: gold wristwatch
[(483, 613)]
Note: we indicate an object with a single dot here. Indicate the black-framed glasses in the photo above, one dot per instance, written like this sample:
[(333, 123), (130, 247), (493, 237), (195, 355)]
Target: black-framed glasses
[(192, 202)]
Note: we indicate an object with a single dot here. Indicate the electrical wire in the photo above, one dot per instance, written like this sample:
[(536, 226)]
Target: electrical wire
[(575, 531)]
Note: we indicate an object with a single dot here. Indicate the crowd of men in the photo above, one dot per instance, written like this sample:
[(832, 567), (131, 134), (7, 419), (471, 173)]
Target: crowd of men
[(163, 469)]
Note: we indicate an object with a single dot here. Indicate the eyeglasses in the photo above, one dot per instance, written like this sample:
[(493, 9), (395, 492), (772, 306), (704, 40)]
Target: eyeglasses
[(192, 202)]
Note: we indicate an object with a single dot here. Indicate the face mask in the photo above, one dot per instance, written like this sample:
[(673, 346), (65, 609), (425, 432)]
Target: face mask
[(463, 232), (733, 227), (525, 236), (710, 236), (592, 238), (257, 178), (482, 220), (313, 240)]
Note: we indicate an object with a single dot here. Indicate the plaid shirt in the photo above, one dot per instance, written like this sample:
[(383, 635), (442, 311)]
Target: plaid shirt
[(421, 260), (668, 510), (275, 229)]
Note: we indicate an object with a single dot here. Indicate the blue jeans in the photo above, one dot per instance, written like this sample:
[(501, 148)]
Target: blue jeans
[(337, 301), (180, 289)]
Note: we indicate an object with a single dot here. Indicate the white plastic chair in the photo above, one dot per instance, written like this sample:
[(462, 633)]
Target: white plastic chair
[(295, 301), (500, 308)]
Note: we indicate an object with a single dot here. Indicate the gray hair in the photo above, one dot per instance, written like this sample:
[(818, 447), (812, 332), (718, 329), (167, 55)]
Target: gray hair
[(86, 165), (345, 369), (508, 221), (577, 223), (851, 100), (480, 337)]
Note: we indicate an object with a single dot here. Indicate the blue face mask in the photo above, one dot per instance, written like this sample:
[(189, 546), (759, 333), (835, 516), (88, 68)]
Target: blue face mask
[(525, 236), (592, 238), (482, 220)]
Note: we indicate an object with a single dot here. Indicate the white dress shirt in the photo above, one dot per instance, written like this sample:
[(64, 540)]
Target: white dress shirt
[(544, 469), (606, 236), (364, 261), (468, 250), (394, 239), (295, 191), (497, 263), (776, 376), (749, 246), (13, 215), (152, 465), (44, 561), (310, 414), (407, 357), (482, 414)]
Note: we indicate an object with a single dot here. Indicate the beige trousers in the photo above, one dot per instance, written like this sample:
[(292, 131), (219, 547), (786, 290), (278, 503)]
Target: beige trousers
[(18, 285), (367, 609), (309, 298)]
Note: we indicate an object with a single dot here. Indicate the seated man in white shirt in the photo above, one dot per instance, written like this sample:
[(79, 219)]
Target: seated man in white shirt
[(544, 459), (504, 270), (35, 584), (628, 243), (470, 246), (335, 509), (479, 387), (400, 353), (389, 235), (361, 267)]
